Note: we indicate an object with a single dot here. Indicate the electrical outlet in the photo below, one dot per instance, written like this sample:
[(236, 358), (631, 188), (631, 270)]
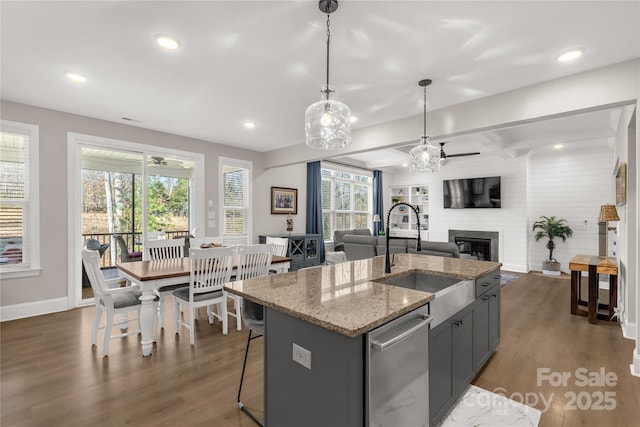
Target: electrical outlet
[(302, 356)]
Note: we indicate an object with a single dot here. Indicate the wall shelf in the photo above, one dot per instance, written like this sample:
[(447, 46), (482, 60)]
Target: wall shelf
[(402, 221)]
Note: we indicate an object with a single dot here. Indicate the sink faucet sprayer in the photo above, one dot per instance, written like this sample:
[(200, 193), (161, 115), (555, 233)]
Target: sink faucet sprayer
[(387, 259)]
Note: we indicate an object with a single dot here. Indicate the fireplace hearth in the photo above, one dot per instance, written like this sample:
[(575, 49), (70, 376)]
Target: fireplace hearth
[(480, 245)]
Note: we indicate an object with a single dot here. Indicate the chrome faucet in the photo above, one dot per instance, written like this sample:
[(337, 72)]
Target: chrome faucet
[(387, 259)]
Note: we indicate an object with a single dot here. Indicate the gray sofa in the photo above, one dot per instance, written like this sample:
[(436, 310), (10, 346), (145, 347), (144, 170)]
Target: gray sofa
[(362, 247), (338, 236)]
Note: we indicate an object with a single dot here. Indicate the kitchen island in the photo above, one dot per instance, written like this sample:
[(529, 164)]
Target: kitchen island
[(327, 312)]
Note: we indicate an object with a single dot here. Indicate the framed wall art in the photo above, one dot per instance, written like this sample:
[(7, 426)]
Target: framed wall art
[(284, 200)]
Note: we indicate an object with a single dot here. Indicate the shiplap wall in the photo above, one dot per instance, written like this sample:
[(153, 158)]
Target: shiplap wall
[(510, 220), (570, 184)]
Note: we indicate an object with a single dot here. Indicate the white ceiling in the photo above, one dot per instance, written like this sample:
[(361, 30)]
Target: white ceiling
[(264, 61)]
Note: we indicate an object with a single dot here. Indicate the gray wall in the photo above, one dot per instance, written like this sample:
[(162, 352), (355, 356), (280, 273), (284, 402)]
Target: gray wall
[(53, 128)]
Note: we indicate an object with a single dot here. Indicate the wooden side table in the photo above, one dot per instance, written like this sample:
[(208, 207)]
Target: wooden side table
[(594, 265)]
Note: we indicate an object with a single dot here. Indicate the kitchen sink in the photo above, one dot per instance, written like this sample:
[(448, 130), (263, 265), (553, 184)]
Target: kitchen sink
[(451, 294)]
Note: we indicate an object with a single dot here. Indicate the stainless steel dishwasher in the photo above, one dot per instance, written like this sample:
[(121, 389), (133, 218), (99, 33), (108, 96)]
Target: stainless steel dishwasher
[(398, 372)]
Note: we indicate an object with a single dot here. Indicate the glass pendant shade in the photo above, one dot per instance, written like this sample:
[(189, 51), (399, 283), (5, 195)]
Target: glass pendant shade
[(425, 158), (327, 125)]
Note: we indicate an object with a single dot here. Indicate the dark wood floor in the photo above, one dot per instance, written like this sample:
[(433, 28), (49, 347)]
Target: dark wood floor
[(50, 375), (538, 332)]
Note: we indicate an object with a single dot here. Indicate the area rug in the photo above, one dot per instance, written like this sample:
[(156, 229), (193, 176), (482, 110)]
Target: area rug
[(506, 278), (479, 407)]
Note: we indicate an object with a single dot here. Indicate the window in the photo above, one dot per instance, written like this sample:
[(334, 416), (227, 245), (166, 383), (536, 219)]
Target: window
[(346, 200), (235, 195), (19, 218)]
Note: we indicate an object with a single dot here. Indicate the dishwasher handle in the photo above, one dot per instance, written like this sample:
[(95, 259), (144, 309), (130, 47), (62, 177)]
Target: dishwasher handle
[(382, 346)]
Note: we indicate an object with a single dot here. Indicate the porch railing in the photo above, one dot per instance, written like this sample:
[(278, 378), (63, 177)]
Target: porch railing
[(133, 241)]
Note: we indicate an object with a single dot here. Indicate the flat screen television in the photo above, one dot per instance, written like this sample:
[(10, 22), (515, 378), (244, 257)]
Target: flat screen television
[(472, 193)]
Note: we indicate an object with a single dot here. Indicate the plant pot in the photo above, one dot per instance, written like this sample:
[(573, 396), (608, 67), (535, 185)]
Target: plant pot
[(551, 267)]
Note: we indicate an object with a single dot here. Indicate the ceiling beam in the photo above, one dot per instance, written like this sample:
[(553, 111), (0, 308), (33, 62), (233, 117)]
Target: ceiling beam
[(607, 87)]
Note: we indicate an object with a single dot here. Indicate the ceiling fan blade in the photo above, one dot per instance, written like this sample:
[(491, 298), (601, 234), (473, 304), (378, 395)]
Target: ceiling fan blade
[(461, 154)]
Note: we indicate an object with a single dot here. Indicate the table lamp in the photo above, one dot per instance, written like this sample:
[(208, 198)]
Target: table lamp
[(608, 213)]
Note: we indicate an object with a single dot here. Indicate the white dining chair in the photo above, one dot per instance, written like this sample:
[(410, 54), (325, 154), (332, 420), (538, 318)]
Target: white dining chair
[(280, 248), (156, 235), (155, 250), (110, 299), (253, 261), (280, 245), (210, 270), (163, 249)]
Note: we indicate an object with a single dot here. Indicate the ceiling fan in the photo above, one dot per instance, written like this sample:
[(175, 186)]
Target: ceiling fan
[(157, 160), (444, 156)]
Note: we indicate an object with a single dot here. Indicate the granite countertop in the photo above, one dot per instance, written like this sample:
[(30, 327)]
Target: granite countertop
[(346, 298)]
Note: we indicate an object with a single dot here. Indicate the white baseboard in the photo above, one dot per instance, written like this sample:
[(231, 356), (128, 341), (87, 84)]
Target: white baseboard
[(516, 268), (30, 309), (628, 330), (635, 365)]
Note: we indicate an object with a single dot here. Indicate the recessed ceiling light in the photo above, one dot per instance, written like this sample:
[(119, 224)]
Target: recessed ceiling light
[(354, 119), (558, 146), (249, 125), (76, 77), (570, 55), (405, 165), (166, 41)]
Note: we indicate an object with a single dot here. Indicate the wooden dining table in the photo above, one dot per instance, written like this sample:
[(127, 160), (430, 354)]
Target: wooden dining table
[(148, 275)]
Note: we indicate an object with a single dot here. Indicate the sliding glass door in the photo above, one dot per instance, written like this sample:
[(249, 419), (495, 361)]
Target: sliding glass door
[(111, 203), (127, 194)]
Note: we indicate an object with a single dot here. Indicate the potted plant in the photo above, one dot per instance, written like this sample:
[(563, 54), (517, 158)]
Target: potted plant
[(550, 228)]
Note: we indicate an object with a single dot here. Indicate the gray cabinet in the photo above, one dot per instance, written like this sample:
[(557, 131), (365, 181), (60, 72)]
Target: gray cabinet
[(451, 361), (303, 249), (487, 322), (460, 346)]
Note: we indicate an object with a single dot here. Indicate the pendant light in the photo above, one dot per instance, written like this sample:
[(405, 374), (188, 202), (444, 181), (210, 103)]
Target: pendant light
[(424, 158), (327, 123)]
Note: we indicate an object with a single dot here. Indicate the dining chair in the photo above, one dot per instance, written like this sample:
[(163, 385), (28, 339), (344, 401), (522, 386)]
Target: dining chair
[(110, 299), (253, 261), (210, 269), (164, 249), (156, 235), (93, 245), (280, 247)]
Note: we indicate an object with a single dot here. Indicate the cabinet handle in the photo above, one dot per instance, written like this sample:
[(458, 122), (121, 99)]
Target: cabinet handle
[(494, 296), (486, 284), (458, 322), (484, 298)]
